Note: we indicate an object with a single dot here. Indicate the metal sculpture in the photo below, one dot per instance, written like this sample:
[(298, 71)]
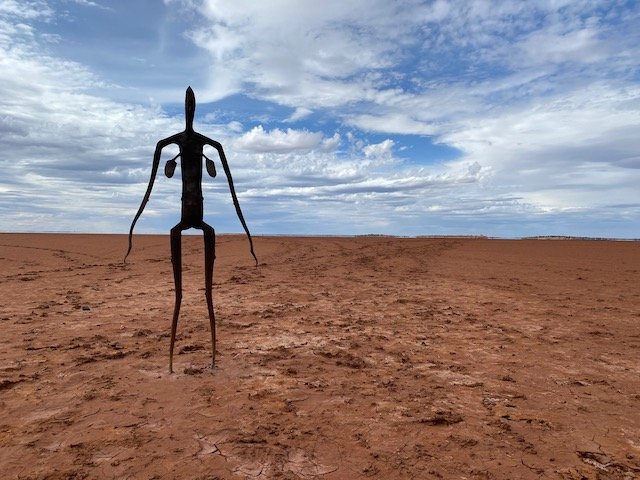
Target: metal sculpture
[(191, 144)]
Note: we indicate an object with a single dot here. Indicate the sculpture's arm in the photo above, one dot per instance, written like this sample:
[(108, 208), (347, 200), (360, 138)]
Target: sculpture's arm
[(225, 166), (154, 169)]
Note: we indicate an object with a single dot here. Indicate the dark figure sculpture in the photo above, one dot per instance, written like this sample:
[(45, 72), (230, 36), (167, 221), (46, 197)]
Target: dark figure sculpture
[(191, 144)]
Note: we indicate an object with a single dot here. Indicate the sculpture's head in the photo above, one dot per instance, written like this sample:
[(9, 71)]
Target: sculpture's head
[(189, 107)]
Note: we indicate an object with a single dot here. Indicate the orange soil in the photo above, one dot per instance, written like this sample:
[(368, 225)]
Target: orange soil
[(338, 358)]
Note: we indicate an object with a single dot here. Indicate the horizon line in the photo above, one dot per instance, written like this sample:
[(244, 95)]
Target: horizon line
[(371, 235)]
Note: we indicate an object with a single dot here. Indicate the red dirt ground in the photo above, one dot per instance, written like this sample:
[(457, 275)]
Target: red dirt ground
[(338, 358)]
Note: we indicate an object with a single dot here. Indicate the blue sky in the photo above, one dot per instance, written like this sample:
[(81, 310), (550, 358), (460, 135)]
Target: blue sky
[(338, 117)]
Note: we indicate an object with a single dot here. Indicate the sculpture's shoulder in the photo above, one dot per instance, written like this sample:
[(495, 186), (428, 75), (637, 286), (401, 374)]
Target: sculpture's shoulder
[(206, 140), (178, 138)]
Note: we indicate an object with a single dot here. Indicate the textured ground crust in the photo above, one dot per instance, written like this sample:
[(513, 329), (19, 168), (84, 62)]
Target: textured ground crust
[(338, 358)]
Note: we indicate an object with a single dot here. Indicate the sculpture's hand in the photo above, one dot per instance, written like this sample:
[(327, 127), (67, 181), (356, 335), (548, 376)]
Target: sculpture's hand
[(170, 167), (211, 167)]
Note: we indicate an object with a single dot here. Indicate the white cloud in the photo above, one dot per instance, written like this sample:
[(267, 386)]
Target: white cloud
[(383, 149), (89, 3), (299, 114), (235, 126), (544, 47), (283, 141), (298, 53), (26, 9), (393, 122)]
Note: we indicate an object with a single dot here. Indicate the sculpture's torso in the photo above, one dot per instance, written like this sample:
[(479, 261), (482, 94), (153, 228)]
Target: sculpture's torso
[(191, 144)]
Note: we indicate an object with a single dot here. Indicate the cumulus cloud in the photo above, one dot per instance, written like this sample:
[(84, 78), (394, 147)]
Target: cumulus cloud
[(379, 150), (283, 141)]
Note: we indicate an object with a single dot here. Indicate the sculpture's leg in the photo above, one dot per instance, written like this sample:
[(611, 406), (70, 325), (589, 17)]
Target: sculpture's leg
[(176, 260), (209, 258)]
